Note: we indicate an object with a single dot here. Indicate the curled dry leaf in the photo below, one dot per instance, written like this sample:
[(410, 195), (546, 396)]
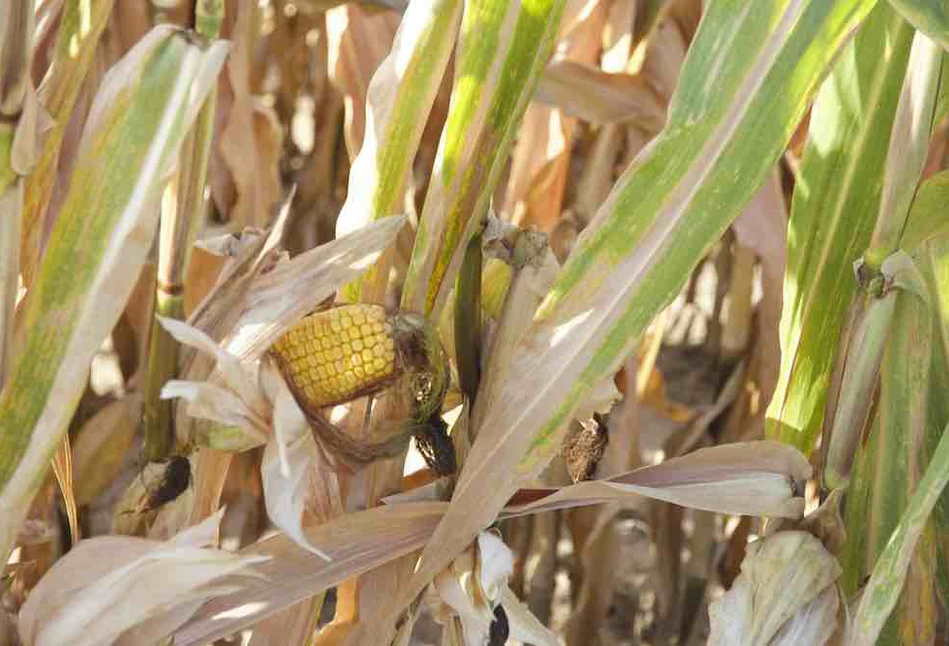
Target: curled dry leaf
[(753, 478), (236, 402), (474, 585), (109, 584), (785, 590)]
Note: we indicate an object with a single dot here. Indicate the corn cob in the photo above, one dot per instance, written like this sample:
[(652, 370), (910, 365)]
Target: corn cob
[(350, 351), (338, 354)]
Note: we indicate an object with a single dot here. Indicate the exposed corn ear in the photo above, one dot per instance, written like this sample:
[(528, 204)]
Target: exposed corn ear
[(338, 354), (349, 351)]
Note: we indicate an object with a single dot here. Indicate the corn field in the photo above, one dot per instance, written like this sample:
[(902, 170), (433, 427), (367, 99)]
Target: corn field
[(474, 322)]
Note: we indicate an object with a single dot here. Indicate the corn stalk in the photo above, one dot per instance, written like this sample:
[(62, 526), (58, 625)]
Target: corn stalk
[(181, 219)]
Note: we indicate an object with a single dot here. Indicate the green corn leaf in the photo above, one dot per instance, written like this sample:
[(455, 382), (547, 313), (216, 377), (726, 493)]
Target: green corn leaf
[(927, 219), (886, 583), (934, 261), (96, 248), (749, 76), (399, 100), (82, 23), (892, 462), (833, 212), (501, 52)]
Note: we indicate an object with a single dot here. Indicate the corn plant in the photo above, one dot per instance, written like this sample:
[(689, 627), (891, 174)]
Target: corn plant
[(332, 323)]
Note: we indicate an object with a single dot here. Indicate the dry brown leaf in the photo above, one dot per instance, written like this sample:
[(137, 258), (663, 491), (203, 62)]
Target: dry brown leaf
[(762, 226), (295, 625), (356, 543), (109, 584), (251, 141), (753, 478), (203, 271), (664, 55), (590, 94), (738, 478), (598, 547), (102, 446), (357, 43), (541, 157)]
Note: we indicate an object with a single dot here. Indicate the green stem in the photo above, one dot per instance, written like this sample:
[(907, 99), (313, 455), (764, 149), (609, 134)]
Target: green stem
[(179, 229)]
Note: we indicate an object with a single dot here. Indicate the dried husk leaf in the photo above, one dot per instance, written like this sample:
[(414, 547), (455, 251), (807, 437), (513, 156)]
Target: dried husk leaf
[(292, 466), (815, 623), (232, 396), (292, 289), (781, 576)]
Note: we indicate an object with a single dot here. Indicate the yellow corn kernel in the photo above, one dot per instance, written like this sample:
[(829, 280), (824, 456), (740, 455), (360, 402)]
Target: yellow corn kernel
[(321, 360)]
